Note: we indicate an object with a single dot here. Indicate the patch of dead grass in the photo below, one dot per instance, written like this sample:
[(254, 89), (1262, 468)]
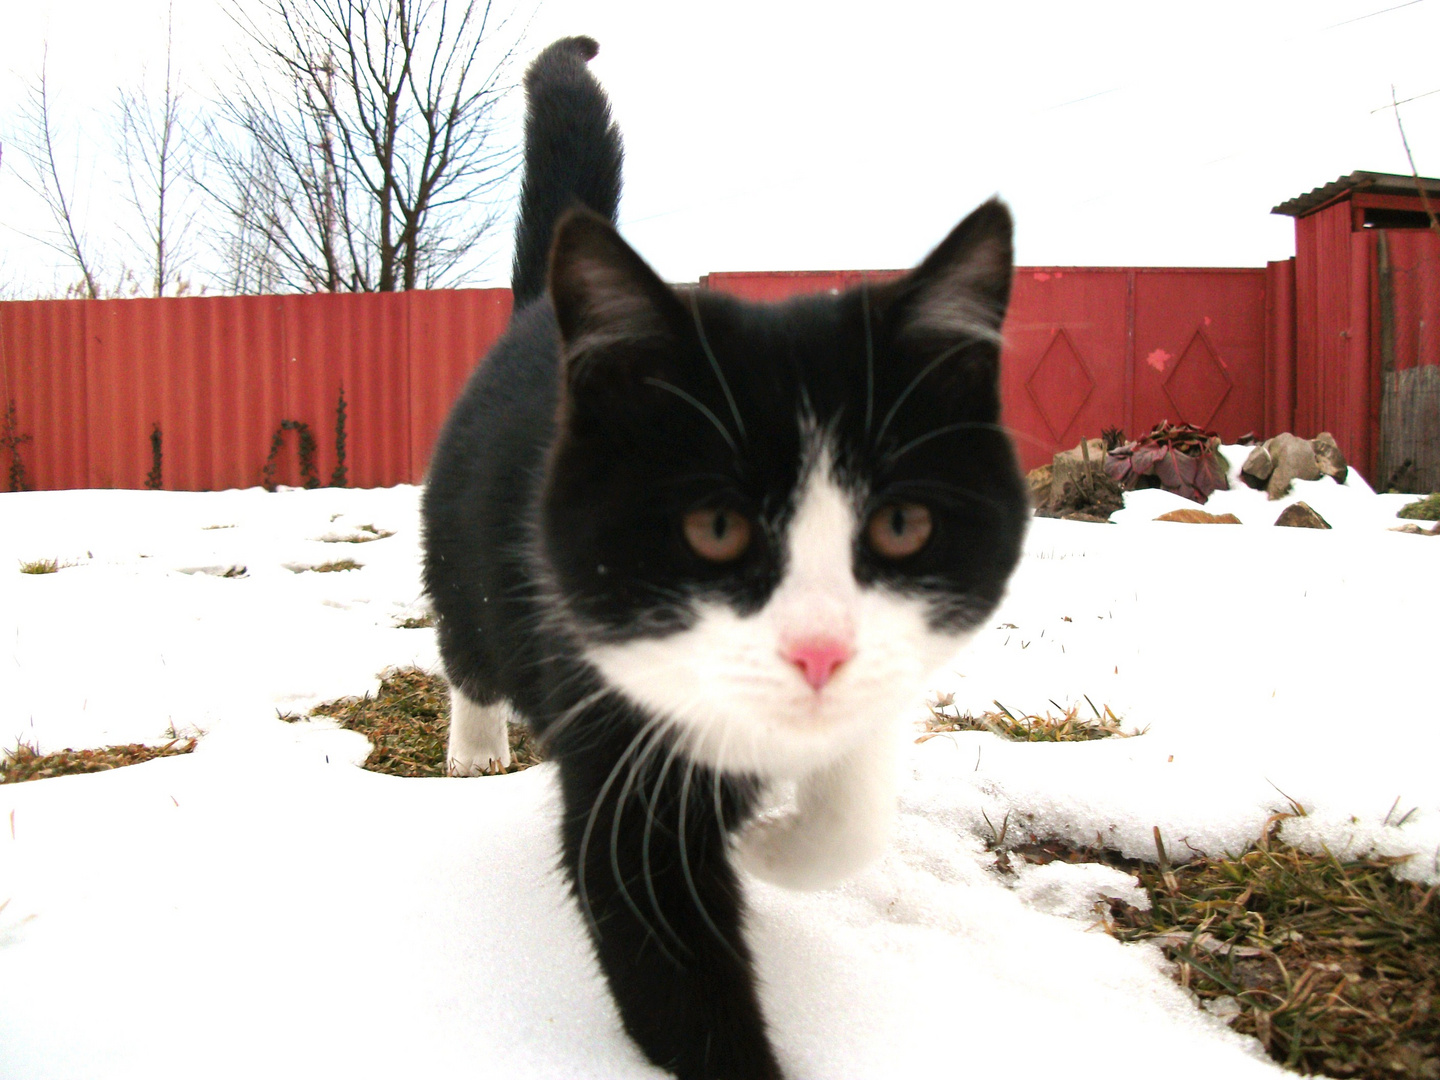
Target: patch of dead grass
[(335, 565), (363, 535), (1069, 726), (27, 763), (1334, 965), (408, 723)]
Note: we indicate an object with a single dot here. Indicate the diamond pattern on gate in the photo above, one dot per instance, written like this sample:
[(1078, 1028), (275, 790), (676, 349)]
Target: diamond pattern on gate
[(1198, 385), (1060, 385)]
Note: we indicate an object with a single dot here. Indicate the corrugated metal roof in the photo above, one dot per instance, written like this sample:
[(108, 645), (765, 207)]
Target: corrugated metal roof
[(1372, 182)]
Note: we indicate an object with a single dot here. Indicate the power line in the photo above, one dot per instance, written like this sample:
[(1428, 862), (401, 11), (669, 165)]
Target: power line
[(1362, 18), (1402, 101)]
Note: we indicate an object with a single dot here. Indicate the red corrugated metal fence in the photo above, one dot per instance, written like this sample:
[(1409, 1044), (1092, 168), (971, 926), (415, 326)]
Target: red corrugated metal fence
[(1292, 346), (91, 379)]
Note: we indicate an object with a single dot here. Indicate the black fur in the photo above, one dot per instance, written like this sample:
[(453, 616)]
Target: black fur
[(612, 407), (572, 156)]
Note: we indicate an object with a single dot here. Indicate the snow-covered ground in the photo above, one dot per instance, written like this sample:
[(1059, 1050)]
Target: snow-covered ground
[(263, 907)]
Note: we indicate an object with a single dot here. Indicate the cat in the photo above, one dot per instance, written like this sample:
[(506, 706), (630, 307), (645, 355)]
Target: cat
[(706, 548)]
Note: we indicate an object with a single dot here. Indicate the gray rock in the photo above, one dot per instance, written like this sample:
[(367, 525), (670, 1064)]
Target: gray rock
[(1329, 458), (1257, 468), (1299, 515), (1294, 460)]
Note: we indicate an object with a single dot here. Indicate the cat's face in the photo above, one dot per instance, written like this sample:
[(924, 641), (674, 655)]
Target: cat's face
[(769, 525)]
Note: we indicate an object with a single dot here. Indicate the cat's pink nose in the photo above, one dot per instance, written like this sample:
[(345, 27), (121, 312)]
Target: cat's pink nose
[(818, 658)]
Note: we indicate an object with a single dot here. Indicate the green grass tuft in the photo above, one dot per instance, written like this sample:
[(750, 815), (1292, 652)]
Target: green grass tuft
[(1426, 509), (42, 566), (408, 722), (26, 763)]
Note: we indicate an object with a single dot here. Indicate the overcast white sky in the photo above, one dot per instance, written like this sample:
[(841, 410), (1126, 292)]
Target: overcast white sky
[(771, 135)]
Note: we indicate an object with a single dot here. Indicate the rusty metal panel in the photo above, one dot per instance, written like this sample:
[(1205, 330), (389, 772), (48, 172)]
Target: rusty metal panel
[(1200, 350), (42, 371), (451, 330)]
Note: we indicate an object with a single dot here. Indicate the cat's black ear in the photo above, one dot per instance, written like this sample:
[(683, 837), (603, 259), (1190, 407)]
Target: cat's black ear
[(607, 299), (961, 290)]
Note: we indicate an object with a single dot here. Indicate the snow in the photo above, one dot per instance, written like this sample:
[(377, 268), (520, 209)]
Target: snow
[(264, 907)]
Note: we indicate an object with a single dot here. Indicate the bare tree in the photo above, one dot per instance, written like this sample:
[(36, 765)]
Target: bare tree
[(244, 238), (159, 160), (36, 142), (1419, 184), (368, 162)]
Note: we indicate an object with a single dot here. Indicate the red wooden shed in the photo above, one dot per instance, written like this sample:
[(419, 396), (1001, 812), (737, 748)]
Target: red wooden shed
[(1365, 363)]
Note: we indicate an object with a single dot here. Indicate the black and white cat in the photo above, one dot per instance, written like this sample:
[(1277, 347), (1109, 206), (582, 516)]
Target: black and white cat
[(705, 547)]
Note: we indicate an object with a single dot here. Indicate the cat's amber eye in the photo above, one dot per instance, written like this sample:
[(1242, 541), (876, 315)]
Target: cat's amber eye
[(897, 530), (716, 534)]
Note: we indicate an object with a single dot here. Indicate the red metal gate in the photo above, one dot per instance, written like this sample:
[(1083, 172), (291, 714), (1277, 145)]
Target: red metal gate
[(1089, 348)]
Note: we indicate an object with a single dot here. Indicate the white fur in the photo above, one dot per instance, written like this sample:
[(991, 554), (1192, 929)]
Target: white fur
[(843, 819), (479, 736), (739, 705)]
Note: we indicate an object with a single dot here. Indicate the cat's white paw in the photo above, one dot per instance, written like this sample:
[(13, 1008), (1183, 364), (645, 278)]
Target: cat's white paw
[(800, 850), (843, 819), (479, 736)]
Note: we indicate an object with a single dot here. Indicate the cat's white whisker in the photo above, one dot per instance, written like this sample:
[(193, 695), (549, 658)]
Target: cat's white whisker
[(656, 738), (699, 405), (689, 875), (595, 806), (715, 366)]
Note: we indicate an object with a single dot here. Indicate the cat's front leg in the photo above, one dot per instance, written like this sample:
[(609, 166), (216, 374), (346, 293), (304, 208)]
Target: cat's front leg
[(843, 819), (646, 847), (479, 735)]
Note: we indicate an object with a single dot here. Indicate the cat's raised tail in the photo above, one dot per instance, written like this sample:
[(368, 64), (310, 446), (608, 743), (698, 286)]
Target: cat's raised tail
[(572, 156)]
